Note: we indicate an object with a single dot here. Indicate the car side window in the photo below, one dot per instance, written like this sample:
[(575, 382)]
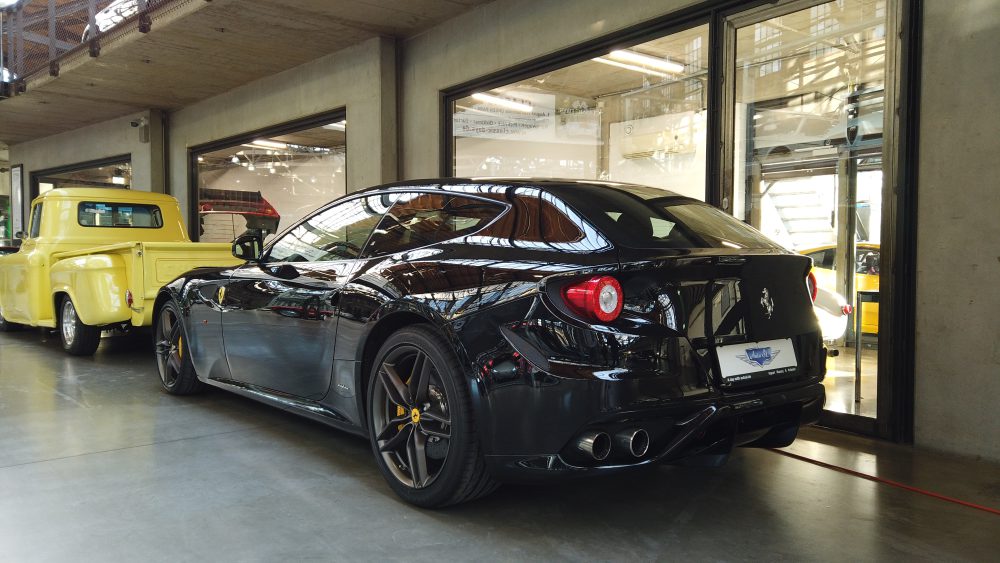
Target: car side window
[(822, 258), (420, 219), (36, 221), (336, 233)]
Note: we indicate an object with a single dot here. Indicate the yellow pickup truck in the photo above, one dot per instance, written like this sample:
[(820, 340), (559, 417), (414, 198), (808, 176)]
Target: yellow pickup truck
[(94, 259)]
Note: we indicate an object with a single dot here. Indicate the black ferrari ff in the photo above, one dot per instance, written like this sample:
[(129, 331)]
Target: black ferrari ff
[(477, 331)]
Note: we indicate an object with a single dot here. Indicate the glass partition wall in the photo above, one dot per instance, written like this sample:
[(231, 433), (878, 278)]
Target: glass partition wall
[(635, 114), (772, 110), (808, 170), (111, 173), (266, 181)]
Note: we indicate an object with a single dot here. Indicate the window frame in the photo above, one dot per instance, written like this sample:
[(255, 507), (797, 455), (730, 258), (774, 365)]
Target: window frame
[(113, 226), (35, 221), (285, 128)]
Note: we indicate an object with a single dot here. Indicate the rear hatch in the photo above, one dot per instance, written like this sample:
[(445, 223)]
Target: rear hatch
[(747, 316), (739, 297)]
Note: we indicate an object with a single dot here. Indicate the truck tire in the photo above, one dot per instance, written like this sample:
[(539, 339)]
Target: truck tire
[(78, 339), (7, 326)]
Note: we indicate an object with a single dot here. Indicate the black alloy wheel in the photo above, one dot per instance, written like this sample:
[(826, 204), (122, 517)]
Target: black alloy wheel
[(420, 422), (173, 363)]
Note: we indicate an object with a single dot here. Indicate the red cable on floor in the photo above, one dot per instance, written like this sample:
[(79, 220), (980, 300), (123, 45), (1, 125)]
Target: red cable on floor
[(886, 481)]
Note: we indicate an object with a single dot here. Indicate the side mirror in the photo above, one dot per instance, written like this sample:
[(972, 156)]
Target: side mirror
[(248, 247), (19, 235)]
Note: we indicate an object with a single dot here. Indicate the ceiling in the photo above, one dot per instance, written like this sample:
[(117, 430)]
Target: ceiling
[(199, 49)]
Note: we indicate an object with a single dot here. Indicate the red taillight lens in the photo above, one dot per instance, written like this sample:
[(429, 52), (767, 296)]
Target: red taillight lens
[(598, 298), (129, 300), (811, 286), (847, 309)]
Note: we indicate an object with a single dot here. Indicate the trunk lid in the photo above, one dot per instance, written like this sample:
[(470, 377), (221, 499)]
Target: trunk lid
[(746, 314)]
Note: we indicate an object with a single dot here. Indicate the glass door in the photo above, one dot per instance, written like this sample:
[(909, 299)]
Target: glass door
[(807, 86)]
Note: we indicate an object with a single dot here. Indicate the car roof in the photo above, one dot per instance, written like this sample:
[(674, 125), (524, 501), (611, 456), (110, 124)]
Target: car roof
[(106, 194), (547, 184)]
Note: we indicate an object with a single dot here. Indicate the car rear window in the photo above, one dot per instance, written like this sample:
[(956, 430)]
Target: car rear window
[(127, 215), (639, 219)]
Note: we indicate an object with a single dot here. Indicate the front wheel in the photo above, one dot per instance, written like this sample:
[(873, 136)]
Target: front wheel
[(420, 422), (173, 362), (78, 339)]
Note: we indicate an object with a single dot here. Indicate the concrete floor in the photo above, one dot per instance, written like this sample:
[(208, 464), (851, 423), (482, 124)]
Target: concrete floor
[(96, 464)]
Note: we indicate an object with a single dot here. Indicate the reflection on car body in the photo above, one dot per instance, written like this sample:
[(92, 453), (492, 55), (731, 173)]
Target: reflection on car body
[(479, 331), (867, 265)]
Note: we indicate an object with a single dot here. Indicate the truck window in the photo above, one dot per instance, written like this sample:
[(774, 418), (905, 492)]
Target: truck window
[(36, 221), (127, 215)]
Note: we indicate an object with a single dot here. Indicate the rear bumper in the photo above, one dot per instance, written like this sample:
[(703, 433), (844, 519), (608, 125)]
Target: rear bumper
[(703, 429)]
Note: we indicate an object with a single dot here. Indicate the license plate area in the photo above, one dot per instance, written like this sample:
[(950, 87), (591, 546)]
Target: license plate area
[(753, 362)]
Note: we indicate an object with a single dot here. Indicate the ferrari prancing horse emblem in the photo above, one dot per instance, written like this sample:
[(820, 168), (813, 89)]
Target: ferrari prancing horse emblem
[(767, 303)]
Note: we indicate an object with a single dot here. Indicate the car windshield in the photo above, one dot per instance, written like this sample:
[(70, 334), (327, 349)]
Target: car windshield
[(643, 217)]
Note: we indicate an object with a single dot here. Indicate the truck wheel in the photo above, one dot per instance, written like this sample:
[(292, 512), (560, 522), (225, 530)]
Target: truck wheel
[(78, 339), (173, 361), (6, 326)]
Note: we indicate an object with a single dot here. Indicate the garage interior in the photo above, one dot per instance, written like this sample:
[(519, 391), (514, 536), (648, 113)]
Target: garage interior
[(819, 123)]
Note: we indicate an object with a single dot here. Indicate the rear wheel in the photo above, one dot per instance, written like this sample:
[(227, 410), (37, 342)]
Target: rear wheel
[(78, 339), (173, 362), (420, 422)]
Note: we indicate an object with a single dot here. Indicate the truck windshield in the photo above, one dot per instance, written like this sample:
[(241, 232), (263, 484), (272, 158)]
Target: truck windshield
[(128, 215)]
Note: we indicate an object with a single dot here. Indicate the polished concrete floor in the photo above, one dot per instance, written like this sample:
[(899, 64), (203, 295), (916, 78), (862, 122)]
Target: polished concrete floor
[(840, 386), (96, 464)]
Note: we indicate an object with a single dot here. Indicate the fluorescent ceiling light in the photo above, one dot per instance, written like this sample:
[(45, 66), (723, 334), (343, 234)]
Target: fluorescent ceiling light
[(269, 144), (338, 126), (503, 102), (630, 67), (235, 159), (646, 61)]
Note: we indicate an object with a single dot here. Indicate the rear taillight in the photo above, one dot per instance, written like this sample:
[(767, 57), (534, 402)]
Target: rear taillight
[(811, 286), (598, 298)]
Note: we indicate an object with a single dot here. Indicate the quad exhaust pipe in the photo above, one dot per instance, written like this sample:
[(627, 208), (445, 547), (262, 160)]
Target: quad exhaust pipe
[(596, 444), (633, 440)]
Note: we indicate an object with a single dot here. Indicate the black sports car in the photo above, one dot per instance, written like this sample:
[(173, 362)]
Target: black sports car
[(477, 331)]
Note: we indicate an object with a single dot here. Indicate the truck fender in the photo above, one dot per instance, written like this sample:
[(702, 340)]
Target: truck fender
[(96, 283)]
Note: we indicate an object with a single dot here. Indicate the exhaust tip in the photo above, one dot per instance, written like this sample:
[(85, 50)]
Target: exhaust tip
[(635, 440), (596, 444)]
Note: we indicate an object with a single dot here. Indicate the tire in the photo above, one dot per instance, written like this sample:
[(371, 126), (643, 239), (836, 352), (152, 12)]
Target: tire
[(177, 375), (7, 326), (77, 339), (438, 427)]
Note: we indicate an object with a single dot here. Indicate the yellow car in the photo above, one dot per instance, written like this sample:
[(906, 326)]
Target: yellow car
[(866, 272)]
